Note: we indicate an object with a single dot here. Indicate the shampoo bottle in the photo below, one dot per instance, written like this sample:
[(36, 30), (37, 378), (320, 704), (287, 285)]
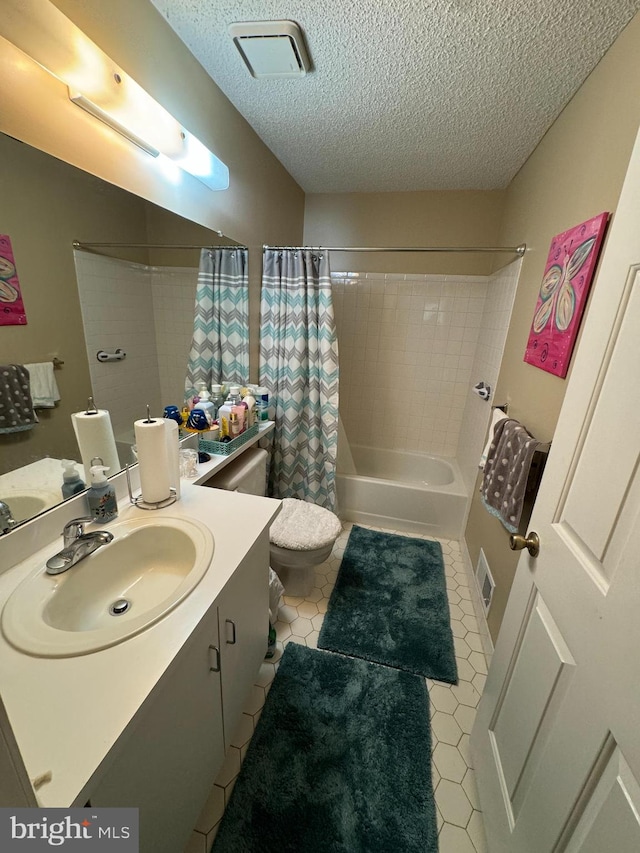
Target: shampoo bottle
[(101, 495), (71, 482)]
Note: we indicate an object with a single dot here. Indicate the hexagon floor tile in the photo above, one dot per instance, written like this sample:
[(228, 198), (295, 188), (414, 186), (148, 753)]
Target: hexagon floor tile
[(453, 708)]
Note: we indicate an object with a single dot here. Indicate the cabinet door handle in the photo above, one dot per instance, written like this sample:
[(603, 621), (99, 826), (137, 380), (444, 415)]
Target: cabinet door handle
[(231, 641), (215, 668)]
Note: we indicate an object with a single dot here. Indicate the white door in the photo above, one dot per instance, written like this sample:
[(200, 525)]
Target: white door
[(556, 743)]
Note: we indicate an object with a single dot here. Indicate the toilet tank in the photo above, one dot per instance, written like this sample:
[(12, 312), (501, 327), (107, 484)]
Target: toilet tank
[(246, 474)]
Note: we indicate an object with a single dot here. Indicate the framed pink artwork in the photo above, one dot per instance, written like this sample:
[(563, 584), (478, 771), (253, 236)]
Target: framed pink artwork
[(11, 306), (563, 293)]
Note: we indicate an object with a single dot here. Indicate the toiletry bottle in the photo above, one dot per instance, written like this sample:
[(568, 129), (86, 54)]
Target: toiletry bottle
[(207, 406), (250, 402), (71, 482), (223, 419), (241, 412), (225, 410), (234, 423), (217, 397), (101, 495), (234, 395), (262, 404)]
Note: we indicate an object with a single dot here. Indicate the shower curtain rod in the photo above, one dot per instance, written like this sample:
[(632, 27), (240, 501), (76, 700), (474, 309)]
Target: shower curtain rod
[(78, 245), (514, 250)]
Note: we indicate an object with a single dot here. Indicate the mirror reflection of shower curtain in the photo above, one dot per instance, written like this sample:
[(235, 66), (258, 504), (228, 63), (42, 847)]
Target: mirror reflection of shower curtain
[(299, 367), (220, 345)]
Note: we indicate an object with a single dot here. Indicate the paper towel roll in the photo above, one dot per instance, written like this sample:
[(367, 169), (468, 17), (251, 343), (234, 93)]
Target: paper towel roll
[(173, 453), (94, 435), (153, 464)]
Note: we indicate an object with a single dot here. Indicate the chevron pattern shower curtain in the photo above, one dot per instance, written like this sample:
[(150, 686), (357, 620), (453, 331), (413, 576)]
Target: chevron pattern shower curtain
[(220, 345), (299, 366)]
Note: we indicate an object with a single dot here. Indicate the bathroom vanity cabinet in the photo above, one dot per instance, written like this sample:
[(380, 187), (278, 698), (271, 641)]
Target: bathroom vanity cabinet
[(166, 764), (145, 722)]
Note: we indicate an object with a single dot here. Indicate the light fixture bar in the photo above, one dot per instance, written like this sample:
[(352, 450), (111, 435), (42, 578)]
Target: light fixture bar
[(104, 90), (93, 109)]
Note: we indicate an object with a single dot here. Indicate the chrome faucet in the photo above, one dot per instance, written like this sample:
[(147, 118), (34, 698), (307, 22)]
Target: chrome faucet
[(7, 521), (76, 545)]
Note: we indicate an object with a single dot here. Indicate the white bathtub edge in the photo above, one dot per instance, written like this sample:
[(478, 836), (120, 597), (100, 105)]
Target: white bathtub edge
[(387, 522)]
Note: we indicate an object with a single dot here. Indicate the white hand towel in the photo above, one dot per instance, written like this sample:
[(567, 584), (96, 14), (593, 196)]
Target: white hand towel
[(44, 388), (497, 416)]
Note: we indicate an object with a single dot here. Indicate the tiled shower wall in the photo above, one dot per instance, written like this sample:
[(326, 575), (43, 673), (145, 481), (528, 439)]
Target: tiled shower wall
[(501, 291), (407, 346), (147, 312)]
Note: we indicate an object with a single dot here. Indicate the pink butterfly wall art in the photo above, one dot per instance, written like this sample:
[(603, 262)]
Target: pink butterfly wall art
[(563, 293), (11, 306)]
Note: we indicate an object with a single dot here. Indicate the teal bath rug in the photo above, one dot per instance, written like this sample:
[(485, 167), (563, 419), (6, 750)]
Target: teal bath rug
[(340, 762), (389, 605)]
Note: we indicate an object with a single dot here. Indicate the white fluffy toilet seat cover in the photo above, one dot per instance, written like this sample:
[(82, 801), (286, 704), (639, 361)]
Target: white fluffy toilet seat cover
[(302, 526)]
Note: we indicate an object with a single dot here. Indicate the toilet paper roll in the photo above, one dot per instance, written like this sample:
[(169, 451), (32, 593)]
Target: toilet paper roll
[(173, 453), (153, 462), (94, 435)]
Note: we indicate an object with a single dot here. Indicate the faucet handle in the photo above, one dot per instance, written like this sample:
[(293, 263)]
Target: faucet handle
[(74, 528), (7, 520)]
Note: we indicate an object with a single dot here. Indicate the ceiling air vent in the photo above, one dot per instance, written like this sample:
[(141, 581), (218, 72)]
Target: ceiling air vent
[(271, 49)]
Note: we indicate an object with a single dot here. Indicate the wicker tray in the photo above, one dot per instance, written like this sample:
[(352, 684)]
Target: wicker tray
[(226, 448)]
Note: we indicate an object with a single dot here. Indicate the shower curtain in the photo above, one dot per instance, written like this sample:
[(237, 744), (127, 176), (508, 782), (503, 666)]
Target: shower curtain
[(299, 366), (220, 344)]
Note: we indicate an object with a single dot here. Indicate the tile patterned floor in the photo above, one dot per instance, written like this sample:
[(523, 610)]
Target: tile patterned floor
[(453, 708)]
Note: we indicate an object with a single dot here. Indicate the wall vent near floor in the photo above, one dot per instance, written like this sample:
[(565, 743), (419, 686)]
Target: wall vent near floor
[(485, 581)]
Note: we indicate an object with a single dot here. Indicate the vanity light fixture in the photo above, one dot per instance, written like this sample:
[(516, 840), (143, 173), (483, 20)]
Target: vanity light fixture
[(94, 110), (126, 108), (271, 49), (104, 90)]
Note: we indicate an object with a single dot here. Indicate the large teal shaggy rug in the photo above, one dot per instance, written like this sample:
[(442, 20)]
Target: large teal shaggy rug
[(389, 605), (340, 762)]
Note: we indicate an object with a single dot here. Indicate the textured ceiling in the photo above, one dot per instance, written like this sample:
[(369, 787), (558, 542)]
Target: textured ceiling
[(407, 94)]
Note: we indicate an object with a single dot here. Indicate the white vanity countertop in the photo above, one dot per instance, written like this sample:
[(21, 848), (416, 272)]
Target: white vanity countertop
[(67, 713), (42, 478)]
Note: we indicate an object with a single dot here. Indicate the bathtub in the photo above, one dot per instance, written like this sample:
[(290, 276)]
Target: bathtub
[(410, 492)]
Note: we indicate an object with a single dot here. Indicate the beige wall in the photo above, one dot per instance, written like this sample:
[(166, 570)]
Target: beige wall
[(576, 172), (406, 219)]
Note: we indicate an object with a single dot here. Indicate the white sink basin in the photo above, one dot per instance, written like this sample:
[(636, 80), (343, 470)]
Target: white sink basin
[(150, 566), (25, 504)]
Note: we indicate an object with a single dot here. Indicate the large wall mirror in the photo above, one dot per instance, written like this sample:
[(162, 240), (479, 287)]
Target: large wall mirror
[(139, 300)]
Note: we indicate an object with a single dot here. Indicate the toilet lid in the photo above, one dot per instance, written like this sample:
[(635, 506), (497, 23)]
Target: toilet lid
[(302, 526)]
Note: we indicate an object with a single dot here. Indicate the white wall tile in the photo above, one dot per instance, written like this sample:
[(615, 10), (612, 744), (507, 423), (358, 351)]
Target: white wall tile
[(419, 335), (491, 336)]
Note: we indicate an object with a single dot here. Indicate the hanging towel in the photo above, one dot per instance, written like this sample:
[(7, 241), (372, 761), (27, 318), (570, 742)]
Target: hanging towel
[(506, 472), (16, 407), (498, 415), (44, 388)]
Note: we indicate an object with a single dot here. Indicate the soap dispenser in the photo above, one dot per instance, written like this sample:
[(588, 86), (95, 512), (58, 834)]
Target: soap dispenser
[(101, 495), (71, 482)]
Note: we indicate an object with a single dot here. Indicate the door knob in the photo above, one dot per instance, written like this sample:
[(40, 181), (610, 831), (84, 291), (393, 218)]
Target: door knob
[(531, 543)]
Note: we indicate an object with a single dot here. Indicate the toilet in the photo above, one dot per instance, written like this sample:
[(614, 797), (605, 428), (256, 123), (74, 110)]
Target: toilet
[(302, 535)]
